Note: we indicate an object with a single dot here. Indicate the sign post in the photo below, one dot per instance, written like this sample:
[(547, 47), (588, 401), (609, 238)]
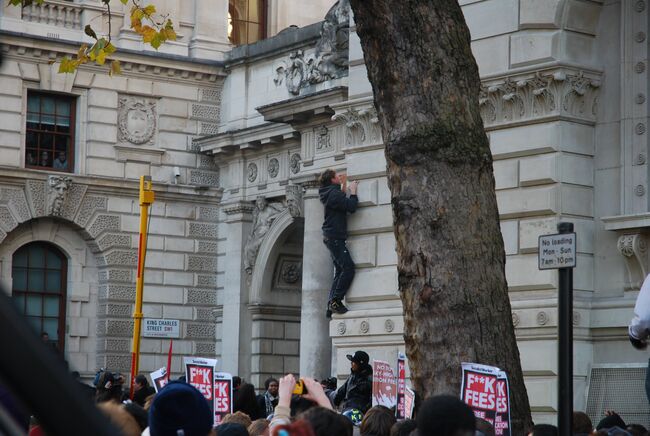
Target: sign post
[(146, 200), (559, 252)]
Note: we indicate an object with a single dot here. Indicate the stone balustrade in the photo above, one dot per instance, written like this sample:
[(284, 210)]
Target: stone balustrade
[(55, 13)]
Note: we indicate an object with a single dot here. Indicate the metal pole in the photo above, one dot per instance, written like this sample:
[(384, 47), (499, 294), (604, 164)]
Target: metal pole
[(146, 199), (565, 344)]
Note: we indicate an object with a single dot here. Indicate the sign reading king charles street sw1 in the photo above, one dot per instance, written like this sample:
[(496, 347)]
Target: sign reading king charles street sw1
[(557, 251), (161, 328)]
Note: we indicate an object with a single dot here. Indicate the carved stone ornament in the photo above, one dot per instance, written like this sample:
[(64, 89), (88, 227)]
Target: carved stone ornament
[(323, 138), (639, 190), (542, 318), (515, 319), (361, 126), (294, 163), (364, 327), (291, 272), (294, 200), (57, 193), (329, 61), (252, 172), (341, 328), (634, 249), (264, 214), (136, 120), (274, 168), (572, 94), (576, 318), (640, 159), (389, 325)]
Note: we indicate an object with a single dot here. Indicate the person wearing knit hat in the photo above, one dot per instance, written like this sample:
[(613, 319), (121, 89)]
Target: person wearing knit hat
[(179, 409)]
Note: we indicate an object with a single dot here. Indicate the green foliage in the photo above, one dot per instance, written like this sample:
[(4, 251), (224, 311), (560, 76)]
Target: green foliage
[(155, 32)]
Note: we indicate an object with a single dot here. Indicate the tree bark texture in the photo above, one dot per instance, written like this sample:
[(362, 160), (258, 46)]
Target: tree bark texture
[(451, 259)]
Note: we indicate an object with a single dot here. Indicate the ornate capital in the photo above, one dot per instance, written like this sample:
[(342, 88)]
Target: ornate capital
[(564, 92), (634, 249), (361, 126)]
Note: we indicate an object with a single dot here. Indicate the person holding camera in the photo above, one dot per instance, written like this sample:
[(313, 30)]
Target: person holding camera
[(337, 204)]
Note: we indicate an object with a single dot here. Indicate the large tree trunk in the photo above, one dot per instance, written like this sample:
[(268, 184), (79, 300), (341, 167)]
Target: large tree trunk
[(451, 260)]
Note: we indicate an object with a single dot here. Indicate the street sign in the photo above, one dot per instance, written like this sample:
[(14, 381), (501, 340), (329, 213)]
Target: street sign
[(161, 328), (557, 251)]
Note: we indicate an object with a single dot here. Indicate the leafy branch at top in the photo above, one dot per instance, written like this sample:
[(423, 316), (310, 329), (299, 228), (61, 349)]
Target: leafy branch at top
[(154, 29)]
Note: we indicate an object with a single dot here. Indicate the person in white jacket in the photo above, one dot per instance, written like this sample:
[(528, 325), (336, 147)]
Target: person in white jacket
[(639, 328)]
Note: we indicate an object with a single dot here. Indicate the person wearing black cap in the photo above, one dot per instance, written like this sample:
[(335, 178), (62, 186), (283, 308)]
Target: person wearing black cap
[(356, 392)]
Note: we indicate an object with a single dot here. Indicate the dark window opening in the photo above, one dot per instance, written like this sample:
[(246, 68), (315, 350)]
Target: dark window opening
[(49, 134), (38, 289)]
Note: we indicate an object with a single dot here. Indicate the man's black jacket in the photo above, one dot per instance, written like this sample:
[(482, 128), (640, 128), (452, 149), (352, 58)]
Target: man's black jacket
[(337, 206), (356, 392)]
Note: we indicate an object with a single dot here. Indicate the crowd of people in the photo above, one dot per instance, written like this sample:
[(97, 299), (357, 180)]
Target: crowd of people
[(321, 409)]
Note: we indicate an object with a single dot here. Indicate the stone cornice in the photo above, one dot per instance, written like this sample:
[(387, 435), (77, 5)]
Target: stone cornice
[(116, 188), (29, 48), (238, 208), (540, 95), (251, 138), (298, 110)]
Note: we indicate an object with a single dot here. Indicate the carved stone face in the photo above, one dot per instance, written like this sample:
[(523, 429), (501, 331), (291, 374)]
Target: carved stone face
[(260, 203), (136, 122), (293, 206)]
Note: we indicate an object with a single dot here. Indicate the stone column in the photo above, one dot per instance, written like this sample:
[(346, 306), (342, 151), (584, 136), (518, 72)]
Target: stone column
[(210, 36), (236, 327), (317, 270)]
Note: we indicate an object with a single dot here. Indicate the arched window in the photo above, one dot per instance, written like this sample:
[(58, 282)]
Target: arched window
[(39, 288), (246, 21)]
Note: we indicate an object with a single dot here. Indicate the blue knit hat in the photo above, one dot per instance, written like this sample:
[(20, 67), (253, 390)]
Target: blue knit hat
[(179, 409)]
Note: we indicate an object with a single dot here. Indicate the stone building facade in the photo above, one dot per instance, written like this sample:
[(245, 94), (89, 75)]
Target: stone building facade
[(236, 249)]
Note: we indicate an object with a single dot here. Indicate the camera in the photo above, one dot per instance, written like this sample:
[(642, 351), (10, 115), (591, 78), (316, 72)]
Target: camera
[(300, 388)]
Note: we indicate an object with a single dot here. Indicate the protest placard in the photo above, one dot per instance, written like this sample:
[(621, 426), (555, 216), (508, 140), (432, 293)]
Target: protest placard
[(199, 372), (485, 389), (384, 387), (222, 396), (400, 411), (159, 378), (502, 417), (409, 402)]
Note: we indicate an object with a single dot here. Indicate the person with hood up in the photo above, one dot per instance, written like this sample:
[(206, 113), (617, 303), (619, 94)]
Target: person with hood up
[(337, 204), (356, 392)]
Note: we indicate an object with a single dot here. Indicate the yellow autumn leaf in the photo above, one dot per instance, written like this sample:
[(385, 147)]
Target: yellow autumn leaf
[(168, 34), (109, 49), (81, 53), (156, 40), (124, 1), (149, 10), (136, 13), (115, 68), (67, 65), (148, 33), (101, 57)]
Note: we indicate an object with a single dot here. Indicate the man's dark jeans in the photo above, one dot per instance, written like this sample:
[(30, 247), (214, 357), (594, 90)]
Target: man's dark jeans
[(343, 268)]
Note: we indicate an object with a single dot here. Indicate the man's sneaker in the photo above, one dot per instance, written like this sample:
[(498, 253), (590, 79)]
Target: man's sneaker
[(336, 306)]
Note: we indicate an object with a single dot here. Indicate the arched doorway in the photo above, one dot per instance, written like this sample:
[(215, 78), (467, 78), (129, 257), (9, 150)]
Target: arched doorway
[(39, 288)]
